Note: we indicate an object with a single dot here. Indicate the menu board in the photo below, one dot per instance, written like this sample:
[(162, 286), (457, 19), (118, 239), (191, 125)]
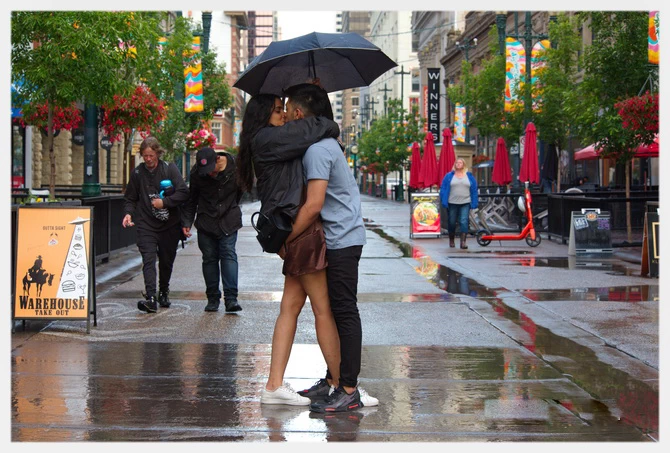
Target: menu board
[(424, 209)]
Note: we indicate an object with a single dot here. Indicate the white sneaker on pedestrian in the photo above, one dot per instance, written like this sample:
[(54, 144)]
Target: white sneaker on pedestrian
[(284, 395), (366, 399)]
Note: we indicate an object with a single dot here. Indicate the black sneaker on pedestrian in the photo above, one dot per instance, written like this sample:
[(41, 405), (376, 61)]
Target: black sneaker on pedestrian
[(163, 299), (212, 305), (148, 305), (338, 401), (320, 389), (232, 305)]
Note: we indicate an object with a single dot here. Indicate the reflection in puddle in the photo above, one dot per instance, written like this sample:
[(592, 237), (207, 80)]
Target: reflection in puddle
[(572, 262), (610, 294)]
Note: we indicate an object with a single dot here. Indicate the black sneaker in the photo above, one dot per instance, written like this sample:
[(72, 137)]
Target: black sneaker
[(148, 305), (212, 305), (338, 401), (320, 389), (232, 305), (163, 299)]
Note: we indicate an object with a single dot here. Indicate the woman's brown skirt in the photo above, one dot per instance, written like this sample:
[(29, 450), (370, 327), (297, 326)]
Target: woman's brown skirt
[(307, 252)]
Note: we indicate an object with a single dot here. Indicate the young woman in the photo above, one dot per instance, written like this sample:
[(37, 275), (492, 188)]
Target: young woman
[(458, 194), (272, 149)]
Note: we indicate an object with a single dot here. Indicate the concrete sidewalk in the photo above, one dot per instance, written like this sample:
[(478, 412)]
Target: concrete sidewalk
[(497, 343)]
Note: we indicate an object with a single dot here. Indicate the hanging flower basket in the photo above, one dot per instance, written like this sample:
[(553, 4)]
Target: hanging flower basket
[(200, 138), (479, 158)]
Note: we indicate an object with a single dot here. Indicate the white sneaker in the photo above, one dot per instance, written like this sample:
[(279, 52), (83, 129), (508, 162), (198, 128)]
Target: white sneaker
[(366, 399), (284, 395)]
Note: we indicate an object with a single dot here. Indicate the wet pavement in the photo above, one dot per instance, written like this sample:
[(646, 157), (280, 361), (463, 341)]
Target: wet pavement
[(499, 344)]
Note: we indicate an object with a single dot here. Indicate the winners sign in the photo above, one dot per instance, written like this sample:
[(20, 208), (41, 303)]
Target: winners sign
[(433, 119), (53, 262)]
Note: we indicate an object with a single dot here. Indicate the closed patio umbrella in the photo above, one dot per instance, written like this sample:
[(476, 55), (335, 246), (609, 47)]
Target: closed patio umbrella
[(415, 167), (502, 173), (447, 155), (530, 169), (428, 175)]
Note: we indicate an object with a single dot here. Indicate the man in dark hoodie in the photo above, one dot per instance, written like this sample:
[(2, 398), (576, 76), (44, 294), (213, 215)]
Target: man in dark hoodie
[(214, 198), (155, 211)]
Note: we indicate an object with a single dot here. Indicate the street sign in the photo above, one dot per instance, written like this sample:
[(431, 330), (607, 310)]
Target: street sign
[(105, 143), (424, 213), (590, 233), (78, 137)]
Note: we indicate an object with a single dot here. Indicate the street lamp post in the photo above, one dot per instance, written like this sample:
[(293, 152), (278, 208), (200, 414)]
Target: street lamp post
[(402, 73), (354, 157), (465, 48), (385, 90)]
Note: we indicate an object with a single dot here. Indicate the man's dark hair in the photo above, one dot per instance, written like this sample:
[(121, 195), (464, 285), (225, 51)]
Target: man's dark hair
[(312, 100)]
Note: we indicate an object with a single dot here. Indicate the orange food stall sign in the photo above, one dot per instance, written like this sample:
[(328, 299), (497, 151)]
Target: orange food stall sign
[(53, 263)]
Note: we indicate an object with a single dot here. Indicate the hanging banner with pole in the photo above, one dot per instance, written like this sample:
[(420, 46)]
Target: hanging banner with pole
[(653, 50), (433, 118), (53, 262), (459, 123), (193, 99), (515, 71)]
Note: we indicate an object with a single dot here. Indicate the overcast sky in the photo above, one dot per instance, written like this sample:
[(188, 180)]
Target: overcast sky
[(298, 23)]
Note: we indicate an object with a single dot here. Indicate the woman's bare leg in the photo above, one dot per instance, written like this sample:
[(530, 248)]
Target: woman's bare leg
[(316, 287), (292, 301)]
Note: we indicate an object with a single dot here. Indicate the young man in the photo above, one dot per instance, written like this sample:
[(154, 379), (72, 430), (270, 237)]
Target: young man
[(214, 197), (333, 194)]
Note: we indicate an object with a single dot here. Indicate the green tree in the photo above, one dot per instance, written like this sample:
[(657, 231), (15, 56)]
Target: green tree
[(60, 57), (556, 83), (615, 69)]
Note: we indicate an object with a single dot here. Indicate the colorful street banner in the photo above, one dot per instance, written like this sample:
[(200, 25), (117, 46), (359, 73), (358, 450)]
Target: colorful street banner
[(515, 71), (53, 262), (538, 61), (193, 99), (653, 52), (459, 123)]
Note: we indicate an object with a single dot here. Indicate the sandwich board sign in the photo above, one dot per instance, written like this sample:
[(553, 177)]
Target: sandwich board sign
[(53, 262), (424, 213), (590, 233)]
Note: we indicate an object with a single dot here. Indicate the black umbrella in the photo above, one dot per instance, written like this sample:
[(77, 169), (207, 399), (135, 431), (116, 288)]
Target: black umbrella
[(550, 164), (338, 60)]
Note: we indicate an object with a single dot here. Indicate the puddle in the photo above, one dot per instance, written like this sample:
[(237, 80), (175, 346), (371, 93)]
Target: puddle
[(575, 263), (639, 293)]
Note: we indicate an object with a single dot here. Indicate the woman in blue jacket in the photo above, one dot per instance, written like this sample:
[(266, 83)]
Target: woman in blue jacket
[(458, 194)]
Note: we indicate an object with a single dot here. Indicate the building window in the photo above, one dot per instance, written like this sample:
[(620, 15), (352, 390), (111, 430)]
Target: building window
[(216, 130), (416, 80), (354, 101)]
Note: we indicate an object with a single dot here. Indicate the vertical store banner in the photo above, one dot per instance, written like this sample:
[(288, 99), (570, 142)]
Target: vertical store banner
[(515, 71), (653, 51), (459, 123), (433, 118), (424, 109), (193, 100), (538, 61), (53, 263)]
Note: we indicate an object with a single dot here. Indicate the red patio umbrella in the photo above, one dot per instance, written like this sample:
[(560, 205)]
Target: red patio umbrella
[(428, 174), (447, 155), (590, 152), (415, 167), (530, 169), (502, 174)]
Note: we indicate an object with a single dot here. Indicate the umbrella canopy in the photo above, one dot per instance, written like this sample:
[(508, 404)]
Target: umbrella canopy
[(549, 168), (590, 152), (447, 155), (338, 60), (530, 170), (415, 167), (502, 174), (428, 175)]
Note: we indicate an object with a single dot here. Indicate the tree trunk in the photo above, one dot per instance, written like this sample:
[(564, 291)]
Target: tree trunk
[(628, 225), (52, 155)]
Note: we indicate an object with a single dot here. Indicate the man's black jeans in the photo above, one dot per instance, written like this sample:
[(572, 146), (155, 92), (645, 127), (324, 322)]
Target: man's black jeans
[(342, 276), (164, 245)]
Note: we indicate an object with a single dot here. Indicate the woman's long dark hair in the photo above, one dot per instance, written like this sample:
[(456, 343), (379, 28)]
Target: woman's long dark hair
[(256, 116)]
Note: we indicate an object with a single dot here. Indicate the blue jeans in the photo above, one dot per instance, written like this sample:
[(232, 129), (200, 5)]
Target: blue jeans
[(459, 213), (219, 258)]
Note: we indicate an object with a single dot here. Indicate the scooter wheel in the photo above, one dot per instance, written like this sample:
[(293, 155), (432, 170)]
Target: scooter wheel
[(534, 242), (480, 241)]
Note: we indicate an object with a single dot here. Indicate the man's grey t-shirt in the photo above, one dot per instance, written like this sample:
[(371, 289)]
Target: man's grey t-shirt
[(341, 211)]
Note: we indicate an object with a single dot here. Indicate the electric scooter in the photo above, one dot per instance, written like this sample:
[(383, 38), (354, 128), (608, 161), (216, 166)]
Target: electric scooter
[(533, 238)]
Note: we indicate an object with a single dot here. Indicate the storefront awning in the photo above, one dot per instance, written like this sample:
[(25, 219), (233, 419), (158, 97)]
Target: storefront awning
[(590, 153)]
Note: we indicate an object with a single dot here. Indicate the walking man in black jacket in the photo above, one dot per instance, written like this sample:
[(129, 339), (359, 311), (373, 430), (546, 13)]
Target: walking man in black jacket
[(157, 220), (214, 204)]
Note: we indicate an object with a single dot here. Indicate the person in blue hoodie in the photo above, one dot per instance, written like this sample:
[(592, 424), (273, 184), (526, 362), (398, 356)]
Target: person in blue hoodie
[(458, 194)]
